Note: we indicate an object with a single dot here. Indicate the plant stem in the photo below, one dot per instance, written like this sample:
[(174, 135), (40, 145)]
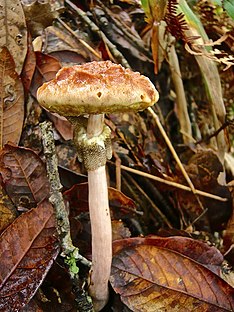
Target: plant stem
[(183, 116)]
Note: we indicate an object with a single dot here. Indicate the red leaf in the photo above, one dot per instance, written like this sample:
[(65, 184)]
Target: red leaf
[(24, 176), (28, 248)]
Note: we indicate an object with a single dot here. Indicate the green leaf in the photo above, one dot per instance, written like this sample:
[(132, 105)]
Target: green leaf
[(71, 262), (193, 20), (229, 7)]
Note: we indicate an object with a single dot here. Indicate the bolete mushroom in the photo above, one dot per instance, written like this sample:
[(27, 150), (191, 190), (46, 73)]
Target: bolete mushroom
[(96, 88)]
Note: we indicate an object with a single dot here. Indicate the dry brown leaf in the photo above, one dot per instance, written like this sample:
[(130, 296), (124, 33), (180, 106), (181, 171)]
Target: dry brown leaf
[(119, 230), (152, 278), (23, 176), (8, 212), (28, 248), (46, 69), (120, 205), (13, 31), (29, 65), (39, 15), (11, 100)]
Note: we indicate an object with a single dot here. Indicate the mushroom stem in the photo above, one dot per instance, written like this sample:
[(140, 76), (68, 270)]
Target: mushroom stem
[(101, 237), (95, 125), (100, 224)]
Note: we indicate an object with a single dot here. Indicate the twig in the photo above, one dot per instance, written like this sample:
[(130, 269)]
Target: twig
[(85, 44), (174, 184), (126, 30), (83, 16), (176, 157), (63, 226), (135, 185), (117, 171)]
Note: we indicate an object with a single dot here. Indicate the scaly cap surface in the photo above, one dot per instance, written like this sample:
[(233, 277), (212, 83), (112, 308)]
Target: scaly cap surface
[(96, 88)]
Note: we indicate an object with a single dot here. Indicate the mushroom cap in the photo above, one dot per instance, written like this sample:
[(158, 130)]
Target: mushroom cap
[(96, 88)]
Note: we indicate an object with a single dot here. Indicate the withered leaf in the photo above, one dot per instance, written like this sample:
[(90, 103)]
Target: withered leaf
[(47, 65), (154, 278), (26, 256), (13, 31), (39, 15), (228, 240), (120, 204), (29, 65), (46, 69), (8, 212), (12, 100), (119, 230), (199, 251), (23, 176)]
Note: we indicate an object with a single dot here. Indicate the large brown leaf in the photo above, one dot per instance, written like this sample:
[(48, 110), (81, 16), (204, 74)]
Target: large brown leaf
[(154, 277), (28, 248), (13, 31), (199, 251), (11, 100), (23, 176)]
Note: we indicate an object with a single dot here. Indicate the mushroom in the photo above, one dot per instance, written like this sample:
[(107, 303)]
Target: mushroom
[(96, 88)]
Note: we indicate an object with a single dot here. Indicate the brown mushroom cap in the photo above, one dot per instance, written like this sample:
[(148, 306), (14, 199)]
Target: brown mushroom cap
[(96, 88)]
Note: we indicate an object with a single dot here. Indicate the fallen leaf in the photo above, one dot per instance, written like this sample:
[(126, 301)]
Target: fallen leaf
[(26, 256), (120, 204), (29, 65), (47, 65), (154, 278), (39, 14), (32, 307), (228, 235), (67, 57), (59, 40), (8, 212), (119, 230), (204, 168), (46, 69), (23, 176), (199, 251), (62, 125), (12, 100), (13, 31)]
